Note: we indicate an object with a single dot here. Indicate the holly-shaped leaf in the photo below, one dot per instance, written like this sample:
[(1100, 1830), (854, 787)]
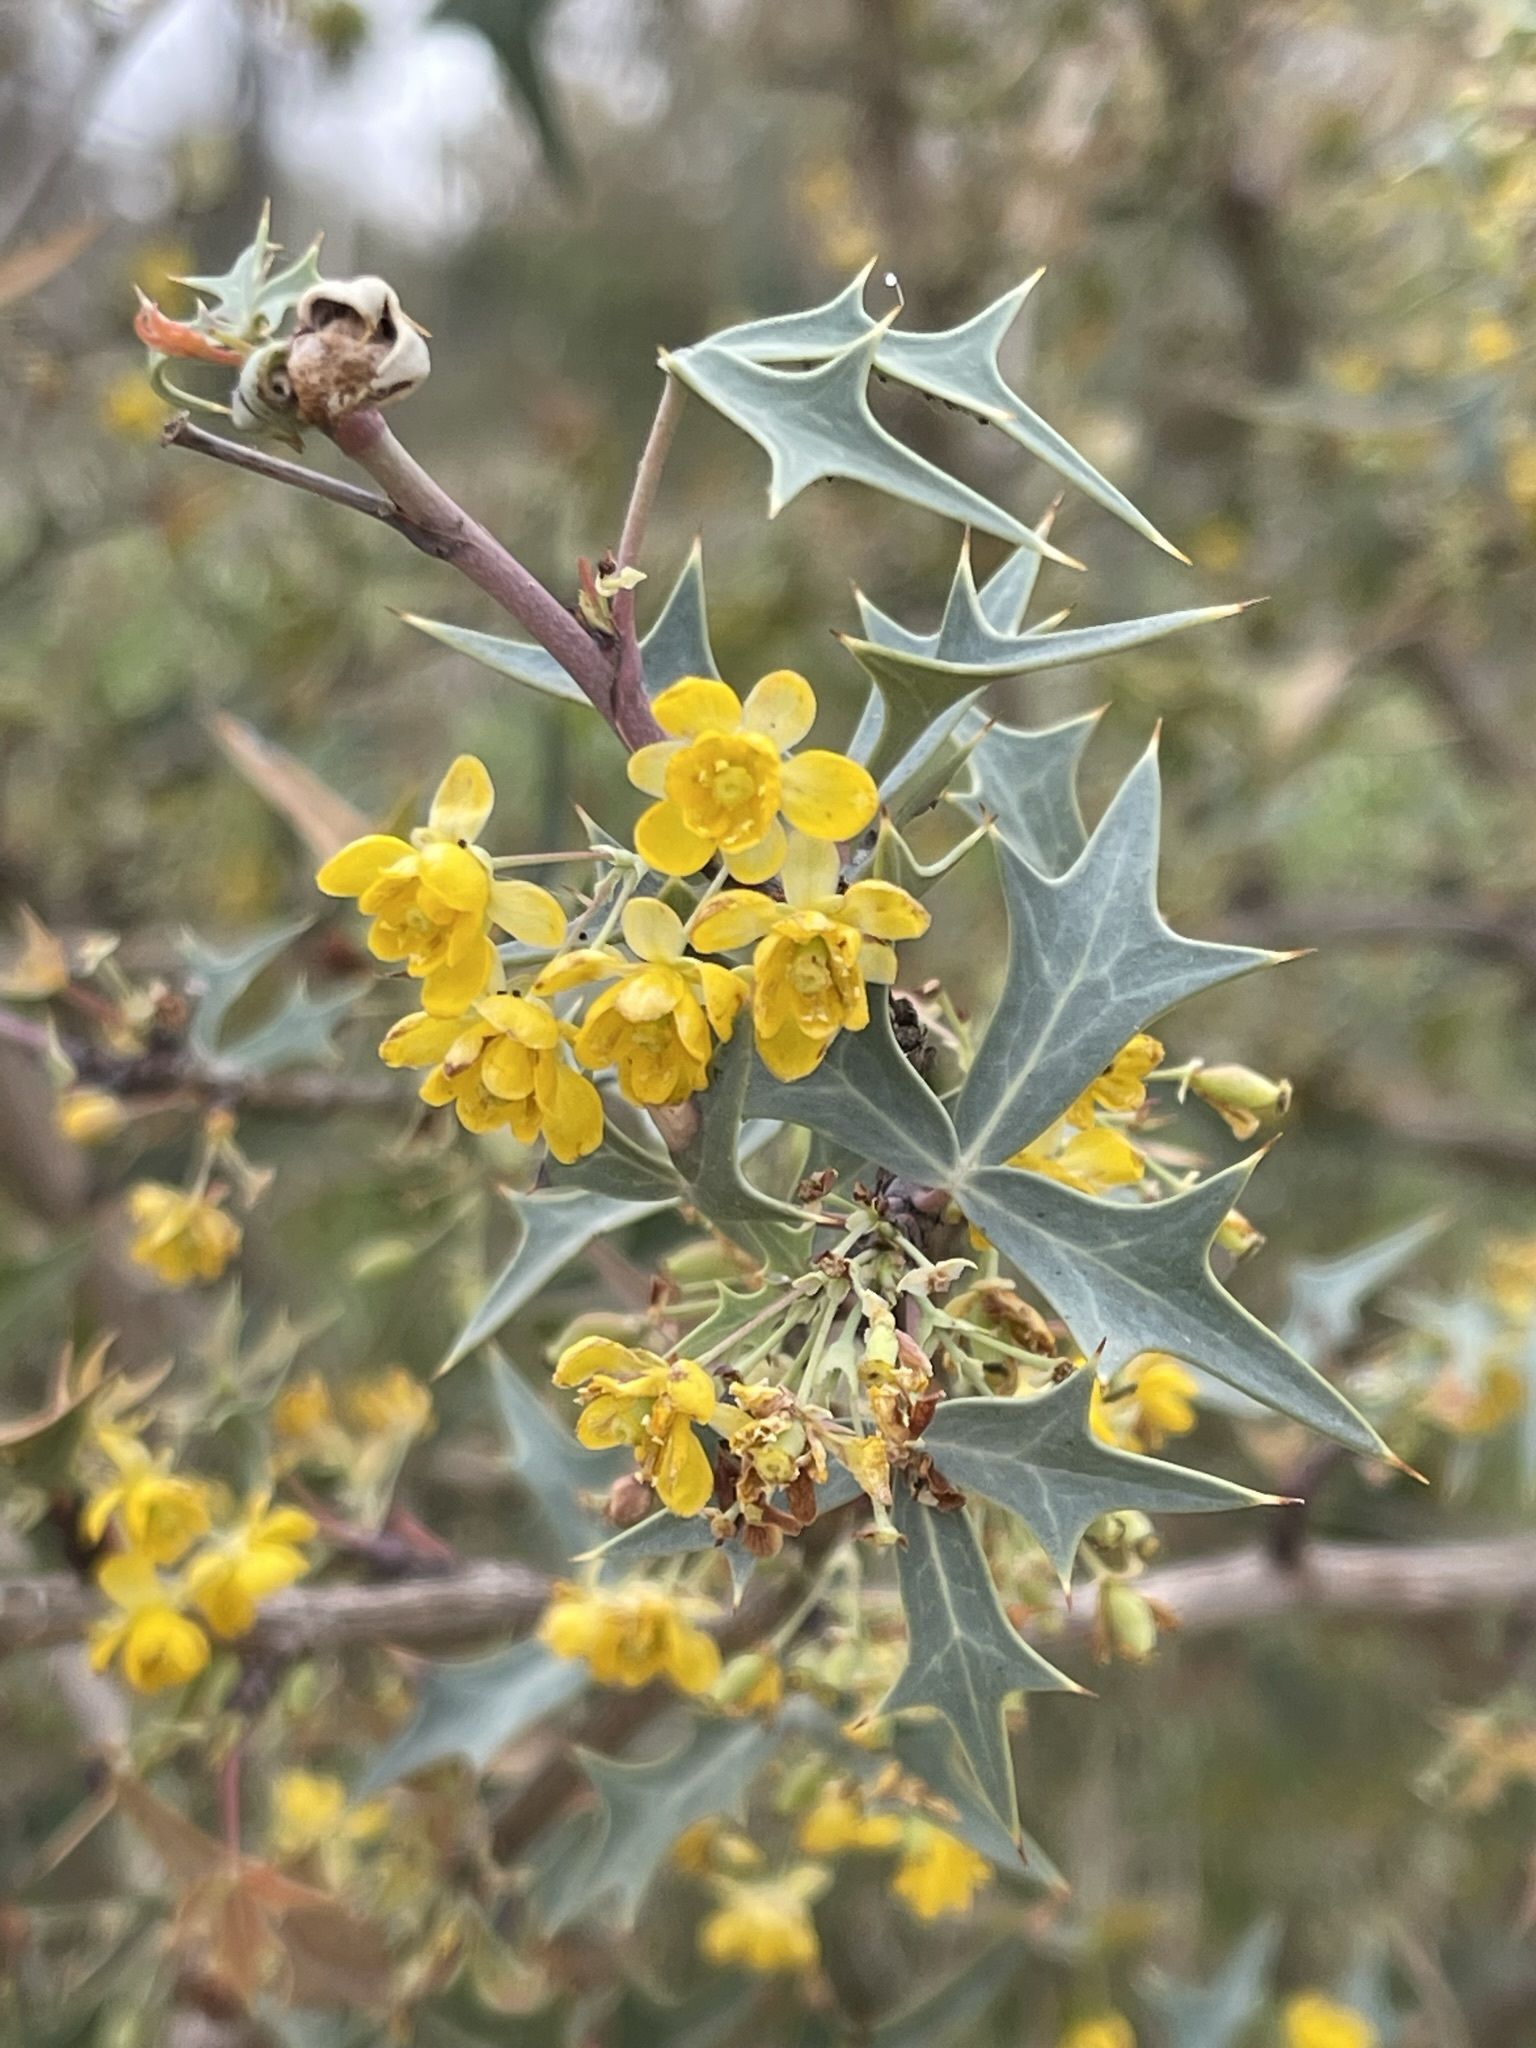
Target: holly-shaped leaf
[(1216, 2014), (965, 1659), (1091, 960), (1039, 1458), (1128, 1277), (1327, 1295), (551, 1464), (1026, 782), (475, 1708)]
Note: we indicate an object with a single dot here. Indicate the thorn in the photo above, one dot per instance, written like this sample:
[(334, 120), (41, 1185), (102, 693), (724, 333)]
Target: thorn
[(1298, 953), (1401, 1465), (1047, 518), (1247, 604)]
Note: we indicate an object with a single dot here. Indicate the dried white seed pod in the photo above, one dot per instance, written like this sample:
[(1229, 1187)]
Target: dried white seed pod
[(353, 345), (263, 400)]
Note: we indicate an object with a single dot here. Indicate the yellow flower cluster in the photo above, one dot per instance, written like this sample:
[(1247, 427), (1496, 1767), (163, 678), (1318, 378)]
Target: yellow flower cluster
[(633, 1397), (160, 1516), (1152, 1400), (1085, 1153), (1310, 2020), (727, 782), (181, 1235), (936, 1874), (628, 1635)]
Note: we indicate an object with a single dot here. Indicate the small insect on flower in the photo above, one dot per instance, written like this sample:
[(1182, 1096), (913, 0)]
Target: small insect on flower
[(765, 1924), (631, 1634), (814, 952), (727, 772), (633, 1397), (938, 1873), (228, 1580), (160, 1514), (156, 1643), (658, 1023), (433, 898), (503, 1066), (182, 1236)]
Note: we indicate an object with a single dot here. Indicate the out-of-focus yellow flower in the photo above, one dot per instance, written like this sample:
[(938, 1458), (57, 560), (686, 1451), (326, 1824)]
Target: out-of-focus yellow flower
[(133, 408), (765, 1924), (633, 1397), (1218, 545), (88, 1116), (1509, 1274), (503, 1065), (629, 1635), (838, 1822), (160, 1514), (1309, 2020), (303, 1409), (1103, 2030), (310, 1812), (1520, 474), (1122, 1087), (158, 1644), (1491, 342), (1091, 1161), (182, 1236), (228, 1580), (1497, 1398), (938, 1873), (815, 952), (1355, 371), (1156, 1401), (727, 772), (433, 898), (658, 1024), (713, 1844), (392, 1403)]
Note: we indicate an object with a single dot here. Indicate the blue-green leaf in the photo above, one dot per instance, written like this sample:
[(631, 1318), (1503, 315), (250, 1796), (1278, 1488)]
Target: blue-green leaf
[(552, 1465), (1327, 1295), (1128, 1277), (964, 1657), (930, 1750), (1039, 1458), (220, 976), (1217, 2014), (1026, 782), (1090, 961), (474, 1708)]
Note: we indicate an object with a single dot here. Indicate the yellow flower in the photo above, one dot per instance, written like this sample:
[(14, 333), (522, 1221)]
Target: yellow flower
[(159, 1645), (658, 1023), (1090, 1160), (391, 1404), (309, 1812), (633, 1397), (1122, 1087), (1104, 2030), (1156, 1401), (1466, 1411), (87, 1116), (1520, 474), (228, 1581), (433, 898), (303, 1409), (838, 1821), (1310, 2020), (1509, 1274), (503, 1064), (131, 407), (938, 1873), (815, 952), (1491, 342), (161, 1515), (630, 1635), (725, 775), (766, 1924), (182, 1236)]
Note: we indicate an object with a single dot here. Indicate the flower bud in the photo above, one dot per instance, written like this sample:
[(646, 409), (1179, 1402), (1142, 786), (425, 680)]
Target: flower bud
[(1240, 1096), (89, 1116), (629, 1501), (1237, 1235), (353, 345), (262, 401), (1127, 1624)]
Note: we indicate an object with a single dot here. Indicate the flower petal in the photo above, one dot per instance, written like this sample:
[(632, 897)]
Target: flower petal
[(528, 912), (452, 875), (759, 862), (664, 842), (463, 800), (576, 969), (653, 930), (696, 704), (358, 866), (685, 1478), (811, 870), (531, 1024), (449, 990), (647, 767), (827, 795), (789, 1055), (418, 1040), (881, 910), (782, 707), (573, 1123), (736, 917), (877, 961)]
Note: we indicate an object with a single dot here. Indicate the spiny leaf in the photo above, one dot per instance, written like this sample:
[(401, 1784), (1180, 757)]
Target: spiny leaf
[(816, 423), (1091, 960), (1039, 1458), (866, 1095), (250, 299), (676, 645), (552, 1465), (301, 1030), (964, 1656), (556, 1228), (1128, 1277), (967, 633), (1217, 2014), (956, 364), (772, 1230), (473, 1709), (930, 1750), (221, 976), (621, 1167), (1026, 782), (1327, 1295)]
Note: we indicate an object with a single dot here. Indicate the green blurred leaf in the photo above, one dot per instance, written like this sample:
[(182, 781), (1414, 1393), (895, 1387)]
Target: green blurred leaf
[(473, 1709), (929, 1749), (1039, 1458), (964, 1656), (302, 1029), (552, 1465), (555, 1229), (1128, 1277), (1217, 2014), (515, 31), (814, 424), (220, 976), (1091, 960), (1327, 1295)]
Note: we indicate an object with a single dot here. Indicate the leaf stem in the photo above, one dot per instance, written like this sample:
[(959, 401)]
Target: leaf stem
[(653, 457)]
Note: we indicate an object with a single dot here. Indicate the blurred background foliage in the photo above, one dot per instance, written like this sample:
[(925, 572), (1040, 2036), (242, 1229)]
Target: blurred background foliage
[(1287, 308)]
